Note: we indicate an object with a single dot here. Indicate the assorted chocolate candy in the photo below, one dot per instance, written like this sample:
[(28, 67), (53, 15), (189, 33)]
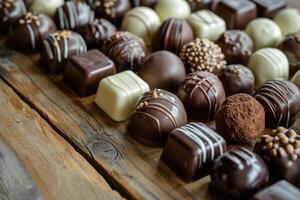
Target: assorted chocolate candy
[(178, 9), (269, 8), (47, 7), (286, 19), (296, 79)]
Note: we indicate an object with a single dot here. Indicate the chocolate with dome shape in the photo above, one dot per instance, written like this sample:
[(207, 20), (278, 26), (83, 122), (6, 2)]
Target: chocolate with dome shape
[(191, 149), (286, 19), (200, 4), (269, 8), (47, 7), (147, 3), (178, 9), (157, 114)]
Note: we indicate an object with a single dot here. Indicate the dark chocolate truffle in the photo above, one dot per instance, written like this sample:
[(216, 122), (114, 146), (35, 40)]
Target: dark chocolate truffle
[(237, 47), (27, 33), (200, 4), (240, 119), (202, 94), (281, 152), (238, 174), (147, 3), (157, 114), (202, 55), (127, 50), (10, 10), (237, 79), (281, 100), (172, 35), (163, 70), (96, 32)]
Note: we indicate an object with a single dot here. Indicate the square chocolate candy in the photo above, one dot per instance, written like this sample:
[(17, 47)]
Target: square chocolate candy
[(269, 8), (191, 150), (85, 71)]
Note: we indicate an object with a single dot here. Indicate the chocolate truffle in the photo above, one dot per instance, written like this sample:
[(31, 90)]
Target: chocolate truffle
[(281, 100), (237, 47), (202, 94), (157, 114), (237, 174), (264, 33), (10, 10), (237, 79), (191, 149), (240, 119), (127, 50), (286, 19), (269, 8), (143, 22), (178, 9), (267, 64), (96, 32), (47, 7), (200, 4), (60, 46), (163, 70), (281, 151), (296, 79), (147, 3), (236, 13), (172, 35), (202, 55), (27, 33)]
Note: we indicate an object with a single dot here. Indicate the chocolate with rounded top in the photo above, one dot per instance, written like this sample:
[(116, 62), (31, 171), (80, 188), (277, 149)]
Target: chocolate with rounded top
[(178, 9), (200, 4), (202, 94), (202, 55), (157, 114), (286, 19), (147, 3), (237, 46), (172, 35), (10, 10), (48, 7), (238, 174), (163, 70), (96, 32), (269, 8), (281, 100), (59, 47), (281, 151), (27, 33), (237, 79), (191, 149), (127, 50)]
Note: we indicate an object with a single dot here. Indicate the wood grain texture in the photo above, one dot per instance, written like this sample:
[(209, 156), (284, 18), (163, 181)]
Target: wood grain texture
[(57, 169)]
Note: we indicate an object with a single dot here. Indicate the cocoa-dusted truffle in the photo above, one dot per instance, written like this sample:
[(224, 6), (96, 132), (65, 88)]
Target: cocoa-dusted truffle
[(202, 55), (202, 94), (240, 119), (158, 113)]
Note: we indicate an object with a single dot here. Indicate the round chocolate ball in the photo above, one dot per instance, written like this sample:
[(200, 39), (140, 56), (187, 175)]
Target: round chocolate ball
[(147, 3), (200, 4), (157, 114), (281, 100), (202, 55), (240, 119), (237, 47), (163, 70), (10, 10), (172, 35), (238, 174), (96, 32), (27, 33), (202, 94), (47, 7), (178, 9), (237, 79), (286, 19)]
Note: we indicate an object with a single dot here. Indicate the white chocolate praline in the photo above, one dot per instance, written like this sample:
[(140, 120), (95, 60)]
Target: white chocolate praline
[(47, 7), (207, 25), (178, 9), (118, 95), (296, 79), (264, 33), (288, 20), (143, 22), (268, 64)]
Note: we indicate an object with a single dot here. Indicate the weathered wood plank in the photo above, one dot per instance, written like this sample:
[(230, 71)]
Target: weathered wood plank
[(56, 168)]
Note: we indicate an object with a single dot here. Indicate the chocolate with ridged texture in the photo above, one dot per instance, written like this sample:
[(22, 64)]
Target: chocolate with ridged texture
[(281, 100), (27, 33), (157, 114), (281, 151), (191, 149), (237, 79), (96, 32), (147, 3), (269, 8), (127, 50), (84, 71), (200, 4), (237, 46), (10, 10), (59, 47), (237, 174), (163, 70), (202, 94), (172, 35), (202, 55)]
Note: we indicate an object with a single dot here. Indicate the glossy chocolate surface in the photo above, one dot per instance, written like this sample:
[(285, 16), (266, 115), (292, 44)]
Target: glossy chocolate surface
[(269, 8), (200, 4), (147, 3)]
